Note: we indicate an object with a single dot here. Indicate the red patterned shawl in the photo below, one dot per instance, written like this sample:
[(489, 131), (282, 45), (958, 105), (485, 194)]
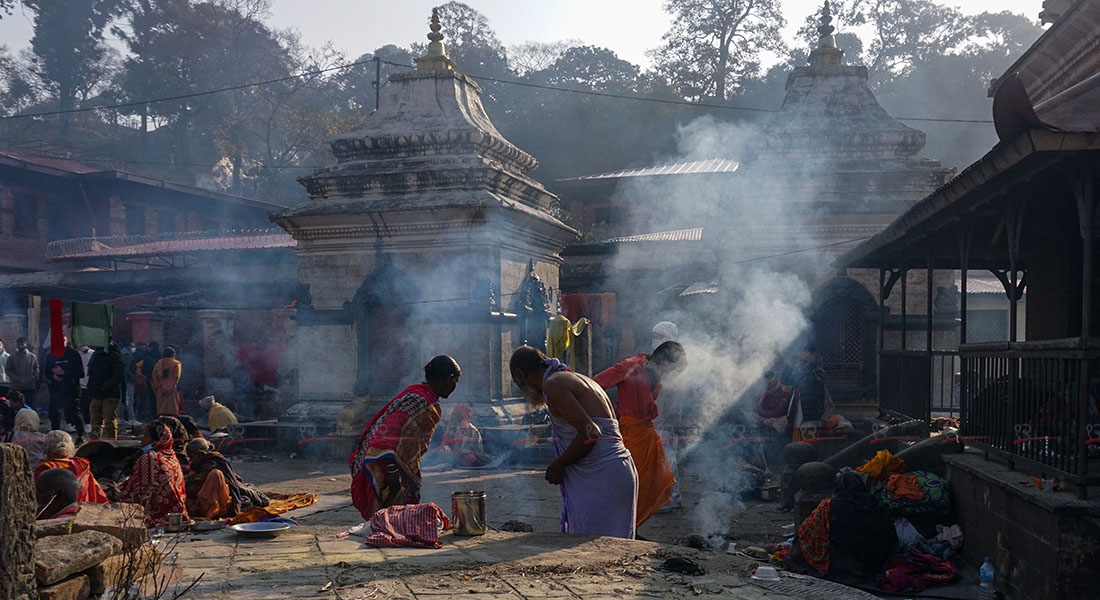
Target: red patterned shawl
[(400, 433), (157, 484)]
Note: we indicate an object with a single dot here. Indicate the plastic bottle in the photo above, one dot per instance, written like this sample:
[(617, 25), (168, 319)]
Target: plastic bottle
[(985, 577)]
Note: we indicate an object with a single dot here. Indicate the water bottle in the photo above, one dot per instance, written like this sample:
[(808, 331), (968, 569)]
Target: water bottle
[(985, 577)]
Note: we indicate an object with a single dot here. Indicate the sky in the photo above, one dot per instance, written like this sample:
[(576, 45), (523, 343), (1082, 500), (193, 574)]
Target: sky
[(628, 27)]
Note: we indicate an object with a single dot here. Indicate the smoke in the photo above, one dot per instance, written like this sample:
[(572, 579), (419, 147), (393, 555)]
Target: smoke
[(758, 312)]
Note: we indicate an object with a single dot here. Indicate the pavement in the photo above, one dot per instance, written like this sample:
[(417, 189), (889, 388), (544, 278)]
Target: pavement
[(310, 561)]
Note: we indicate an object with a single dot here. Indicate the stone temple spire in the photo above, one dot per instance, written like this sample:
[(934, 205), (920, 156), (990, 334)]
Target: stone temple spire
[(826, 52), (436, 57)]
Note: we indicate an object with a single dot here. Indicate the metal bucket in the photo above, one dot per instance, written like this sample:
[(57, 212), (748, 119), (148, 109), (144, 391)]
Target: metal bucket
[(468, 512)]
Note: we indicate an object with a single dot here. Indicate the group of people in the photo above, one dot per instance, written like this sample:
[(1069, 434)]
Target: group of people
[(91, 387), (610, 465), (177, 471)]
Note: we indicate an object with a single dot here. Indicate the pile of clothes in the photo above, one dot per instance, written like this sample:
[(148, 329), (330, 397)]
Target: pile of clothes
[(883, 521)]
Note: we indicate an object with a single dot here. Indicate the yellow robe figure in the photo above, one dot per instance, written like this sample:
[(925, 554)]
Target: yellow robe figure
[(166, 379)]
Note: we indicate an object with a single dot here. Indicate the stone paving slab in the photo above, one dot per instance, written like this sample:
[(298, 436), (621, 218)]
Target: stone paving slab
[(311, 563)]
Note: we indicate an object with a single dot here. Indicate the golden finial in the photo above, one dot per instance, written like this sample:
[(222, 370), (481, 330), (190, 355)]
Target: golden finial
[(435, 47), (825, 29)]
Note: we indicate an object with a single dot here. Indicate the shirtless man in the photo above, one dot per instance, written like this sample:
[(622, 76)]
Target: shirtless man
[(599, 485)]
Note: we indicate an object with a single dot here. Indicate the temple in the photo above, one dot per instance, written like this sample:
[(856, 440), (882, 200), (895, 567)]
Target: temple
[(426, 237)]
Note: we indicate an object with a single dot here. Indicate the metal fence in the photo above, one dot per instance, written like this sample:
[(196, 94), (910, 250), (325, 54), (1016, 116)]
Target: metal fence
[(904, 383), (1030, 402)]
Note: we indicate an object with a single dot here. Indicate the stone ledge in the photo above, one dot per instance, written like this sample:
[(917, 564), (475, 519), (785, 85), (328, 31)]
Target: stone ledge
[(999, 474)]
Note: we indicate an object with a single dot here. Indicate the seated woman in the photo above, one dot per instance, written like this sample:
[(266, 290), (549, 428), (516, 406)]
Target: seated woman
[(25, 430), (156, 482), (56, 491), (59, 455), (213, 487)]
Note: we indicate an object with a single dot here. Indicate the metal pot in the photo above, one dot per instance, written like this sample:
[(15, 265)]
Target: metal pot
[(468, 512), (769, 493)]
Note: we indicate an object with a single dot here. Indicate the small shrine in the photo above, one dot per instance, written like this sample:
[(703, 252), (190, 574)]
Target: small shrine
[(426, 237)]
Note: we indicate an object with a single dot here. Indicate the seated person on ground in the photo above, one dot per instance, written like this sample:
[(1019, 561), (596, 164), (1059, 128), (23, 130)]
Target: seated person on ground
[(214, 489), (156, 481), (56, 491), (59, 455), (218, 415), (462, 439)]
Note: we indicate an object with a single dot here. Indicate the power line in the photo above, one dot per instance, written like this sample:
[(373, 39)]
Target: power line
[(473, 75), (231, 88)]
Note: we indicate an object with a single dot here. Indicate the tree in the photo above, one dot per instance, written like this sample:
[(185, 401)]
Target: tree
[(529, 57), (591, 68), (715, 44), (357, 82), (68, 45)]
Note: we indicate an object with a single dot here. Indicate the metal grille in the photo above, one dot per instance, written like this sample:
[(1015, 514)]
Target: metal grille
[(986, 326), (840, 335)]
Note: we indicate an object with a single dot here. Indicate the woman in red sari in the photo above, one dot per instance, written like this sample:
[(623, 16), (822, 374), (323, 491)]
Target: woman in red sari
[(385, 468), (59, 455), (156, 482)]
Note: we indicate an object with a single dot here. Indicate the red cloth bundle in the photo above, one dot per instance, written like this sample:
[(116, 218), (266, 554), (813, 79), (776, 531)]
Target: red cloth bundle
[(413, 525)]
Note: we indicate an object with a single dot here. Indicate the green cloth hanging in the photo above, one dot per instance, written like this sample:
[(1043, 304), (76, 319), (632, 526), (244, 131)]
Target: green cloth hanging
[(91, 324)]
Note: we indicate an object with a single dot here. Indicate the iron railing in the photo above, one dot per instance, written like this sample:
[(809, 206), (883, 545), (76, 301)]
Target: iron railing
[(1030, 402), (905, 383)]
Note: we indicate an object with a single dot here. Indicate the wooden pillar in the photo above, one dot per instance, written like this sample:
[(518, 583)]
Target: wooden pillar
[(1083, 190), (881, 309), (930, 298)]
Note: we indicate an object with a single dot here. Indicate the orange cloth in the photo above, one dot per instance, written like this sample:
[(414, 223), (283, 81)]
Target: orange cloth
[(280, 503), (89, 487), (905, 486), (883, 465), (638, 387), (213, 499), (166, 379), (655, 478)]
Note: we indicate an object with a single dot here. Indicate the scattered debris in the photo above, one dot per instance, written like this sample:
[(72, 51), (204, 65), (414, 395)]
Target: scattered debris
[(680, 564), (519, 526), (695, 541)]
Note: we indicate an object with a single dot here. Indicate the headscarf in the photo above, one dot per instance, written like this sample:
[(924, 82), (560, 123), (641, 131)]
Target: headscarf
[(199, 446), (161, 436), (665, 331), (206, 403), (27, 420), (176, 429)]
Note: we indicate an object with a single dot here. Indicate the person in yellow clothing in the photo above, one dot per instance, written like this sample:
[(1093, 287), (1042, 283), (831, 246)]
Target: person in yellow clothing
[(166, 380), (218, 414)]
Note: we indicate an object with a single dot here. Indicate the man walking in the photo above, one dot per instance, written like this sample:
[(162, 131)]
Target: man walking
[(105, 383), (63, 374), (21, 368), (638, 380)]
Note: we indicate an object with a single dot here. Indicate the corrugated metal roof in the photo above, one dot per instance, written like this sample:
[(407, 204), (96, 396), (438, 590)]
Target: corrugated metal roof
[(679, 235), (981, 285), (693, 167), (135, 246), (700, 287), (61, 164)]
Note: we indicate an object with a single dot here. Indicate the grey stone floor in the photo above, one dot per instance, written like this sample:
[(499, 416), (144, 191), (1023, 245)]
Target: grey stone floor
[(311, 562)]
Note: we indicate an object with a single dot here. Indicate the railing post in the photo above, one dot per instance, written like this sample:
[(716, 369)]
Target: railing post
[(930, 300), (904, 308)]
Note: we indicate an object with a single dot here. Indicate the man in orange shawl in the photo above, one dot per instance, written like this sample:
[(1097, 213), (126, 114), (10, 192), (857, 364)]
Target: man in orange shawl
[(156, 481), (639, 382), (166, 379), (59, 455), (385, 468)]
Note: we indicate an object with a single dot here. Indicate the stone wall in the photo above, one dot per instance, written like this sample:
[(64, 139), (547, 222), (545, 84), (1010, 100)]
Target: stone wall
[(17, 511), (1044, 545)]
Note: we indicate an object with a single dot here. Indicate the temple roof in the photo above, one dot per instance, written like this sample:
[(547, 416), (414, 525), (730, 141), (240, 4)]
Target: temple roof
[(830, 112)]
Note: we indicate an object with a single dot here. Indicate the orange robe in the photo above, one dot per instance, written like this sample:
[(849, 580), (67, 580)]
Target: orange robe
[(166, 379), (89, 487)]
